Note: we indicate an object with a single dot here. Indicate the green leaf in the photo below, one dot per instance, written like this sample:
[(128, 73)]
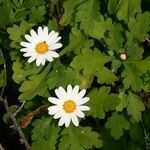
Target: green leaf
[(31, 3), (77, 41), (44, 134), (140, 26), (134, 53), (146, 83), (116, 123), (70, 10), (123, 102), (44, 128), (61, 75), (112, 5), (90, 61), (80, 138), (37, 14), (132, 77), (5, 8), (52, 25), (109, 142), (146, 120), (130, 145), (127, 8), (135, 106), (101, 101), (22, 71), (91, 21), (35, 85), (144, 64), (16, 32), (45, 144), (106, 76), (136, 133), (115, 40)]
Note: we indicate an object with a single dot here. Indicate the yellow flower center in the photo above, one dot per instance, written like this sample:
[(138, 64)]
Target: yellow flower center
[(41, 48), (69, 106)]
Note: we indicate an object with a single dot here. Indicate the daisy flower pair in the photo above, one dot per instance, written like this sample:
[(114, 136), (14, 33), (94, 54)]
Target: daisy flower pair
[(68, 105)]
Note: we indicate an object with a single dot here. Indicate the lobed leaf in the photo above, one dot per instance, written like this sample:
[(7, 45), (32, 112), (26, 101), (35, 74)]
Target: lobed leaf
[(116, 123), (80, 138)]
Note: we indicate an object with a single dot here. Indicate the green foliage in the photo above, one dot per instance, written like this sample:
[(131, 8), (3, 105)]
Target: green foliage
[(91, 20), (132, 78), (77, 41), (115, 40), (135, 107), (136, 133), (21, 71), (123, 103), (44, 133), (91, 67), (36, 15), (101, 101), (125, 8), (116, 123), (139, 26), (79, 139), (61, 75), (36, 85), (42, 129), (94, 35), (5, 8), (16, 32), (69, 14)]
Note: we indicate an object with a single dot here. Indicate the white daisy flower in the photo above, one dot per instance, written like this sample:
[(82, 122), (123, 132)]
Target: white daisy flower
[(69, 105), (41, 46)]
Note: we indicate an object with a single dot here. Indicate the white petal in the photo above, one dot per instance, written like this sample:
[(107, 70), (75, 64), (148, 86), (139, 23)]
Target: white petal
[(49, 57), (43, 61), (59, 95), (83, 108), (55, 46), (67, 123), (59, 114), (53, 54), (24, 50), (45, 30), (62, 120), (79, 113), (54, 100), (69, 90), (40, 32), (33, 34), (56, 39), (29, 38), (82, 101), (25, 44), (28, 54), (75, 120), (51, 33), (81, 94), (75, 91), (53, 109), (31, 59), (63, 92), (40, 60)]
